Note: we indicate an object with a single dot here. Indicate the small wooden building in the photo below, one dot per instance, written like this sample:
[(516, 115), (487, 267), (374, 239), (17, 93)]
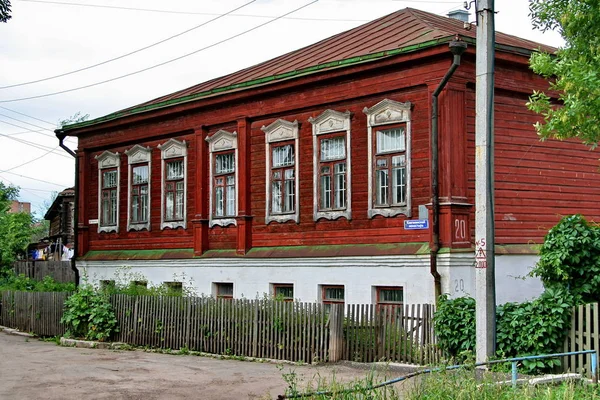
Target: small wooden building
[(300, 176)]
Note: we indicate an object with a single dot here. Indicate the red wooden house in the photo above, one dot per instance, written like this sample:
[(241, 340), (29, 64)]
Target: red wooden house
[(296, 176)]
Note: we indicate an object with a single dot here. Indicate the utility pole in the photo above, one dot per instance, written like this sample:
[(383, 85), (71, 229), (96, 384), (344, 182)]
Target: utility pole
[(485, 282)]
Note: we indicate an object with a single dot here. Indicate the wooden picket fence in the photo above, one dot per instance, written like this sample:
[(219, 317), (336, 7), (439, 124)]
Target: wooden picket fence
[(390, 333), (583, 335), (291, 331), (38, 312), (60, 271)]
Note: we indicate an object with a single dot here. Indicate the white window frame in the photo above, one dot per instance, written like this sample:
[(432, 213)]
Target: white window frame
[(173, 148), (281, 131), (388, 112), (221, 141), (108, 160), (329, 122), (138, 155)]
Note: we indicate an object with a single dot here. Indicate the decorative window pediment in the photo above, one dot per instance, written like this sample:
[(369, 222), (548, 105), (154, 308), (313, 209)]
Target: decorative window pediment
[(389, 153), (332, 194), (282, 171), (139, 191), (174, 184), (223, 157), (109, 167)]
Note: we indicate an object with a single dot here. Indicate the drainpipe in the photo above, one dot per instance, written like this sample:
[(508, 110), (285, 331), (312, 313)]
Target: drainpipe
[(61, 136), (457, 47)]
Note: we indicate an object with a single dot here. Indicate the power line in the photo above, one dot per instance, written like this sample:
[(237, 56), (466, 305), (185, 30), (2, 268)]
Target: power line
[(30, 161), (28, 116), (32, 144), (160, 64), (23, 132), (204, 13), (39, 180), (20, 188), (130, 53), (34, 125)]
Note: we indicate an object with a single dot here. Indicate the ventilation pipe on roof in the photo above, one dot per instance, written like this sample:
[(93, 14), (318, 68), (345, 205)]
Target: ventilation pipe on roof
[(457, 47), (61, 136), (461, 15)]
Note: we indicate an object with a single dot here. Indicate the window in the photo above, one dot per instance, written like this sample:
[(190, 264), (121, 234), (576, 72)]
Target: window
[(174, 184), (108, 190), (390, 295), (389, 158), (139, 159), (223, 178), (283, 291), (107, 284), (224, 290), (332, 295), (281, 139), (174, 287), (332, 167)]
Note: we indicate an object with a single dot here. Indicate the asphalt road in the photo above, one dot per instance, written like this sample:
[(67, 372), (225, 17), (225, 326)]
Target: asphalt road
[(32, 369)]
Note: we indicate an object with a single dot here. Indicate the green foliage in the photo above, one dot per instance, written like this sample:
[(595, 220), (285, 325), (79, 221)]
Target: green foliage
[(131, 283), (574, 70), (15, 229), (21, 283), (466, 384), (74, 119), (88, 314), (570, 258), (530, 328), (455, 325), (5, 10)]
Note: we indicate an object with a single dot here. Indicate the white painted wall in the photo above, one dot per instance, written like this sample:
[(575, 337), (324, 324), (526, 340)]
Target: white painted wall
[(359, 275)]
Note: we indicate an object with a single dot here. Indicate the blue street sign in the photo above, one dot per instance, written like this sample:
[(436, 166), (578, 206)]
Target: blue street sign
[(416, 224)]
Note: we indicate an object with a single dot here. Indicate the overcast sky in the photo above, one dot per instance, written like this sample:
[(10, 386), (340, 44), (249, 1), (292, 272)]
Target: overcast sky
[(48, 38)]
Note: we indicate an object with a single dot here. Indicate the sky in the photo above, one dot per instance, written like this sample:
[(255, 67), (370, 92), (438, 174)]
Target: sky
[(45, 39)]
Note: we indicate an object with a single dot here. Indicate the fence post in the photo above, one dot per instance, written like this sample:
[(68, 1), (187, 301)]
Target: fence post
[(336, 332)]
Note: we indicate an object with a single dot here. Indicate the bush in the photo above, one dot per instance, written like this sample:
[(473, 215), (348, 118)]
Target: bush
[(88, 314), (21, 283), (455, 325)]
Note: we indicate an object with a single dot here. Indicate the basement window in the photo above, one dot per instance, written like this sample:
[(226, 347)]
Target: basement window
[(283, 291), (223, 290), (332, 294)]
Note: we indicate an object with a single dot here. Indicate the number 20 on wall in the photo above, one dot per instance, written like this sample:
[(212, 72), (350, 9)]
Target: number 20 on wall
[(460, 229)]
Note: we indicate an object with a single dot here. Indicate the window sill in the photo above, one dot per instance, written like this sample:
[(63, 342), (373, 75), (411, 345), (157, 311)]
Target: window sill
[(332, 215), (389, 211), (222, 222), (139, 227), (108, 229), (173, 224), (280, 218)]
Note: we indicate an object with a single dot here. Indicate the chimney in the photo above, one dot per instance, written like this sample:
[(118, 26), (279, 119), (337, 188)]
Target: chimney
[(461, 15)]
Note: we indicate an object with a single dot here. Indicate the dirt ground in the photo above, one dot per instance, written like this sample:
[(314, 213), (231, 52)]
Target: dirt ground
[(32, 369)]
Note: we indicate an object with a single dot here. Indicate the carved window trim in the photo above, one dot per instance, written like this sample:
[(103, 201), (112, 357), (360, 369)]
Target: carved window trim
[(392, 113), (280, 132), (138, 155), (108, 160), (331, 122), (173, 149), (222, 141)]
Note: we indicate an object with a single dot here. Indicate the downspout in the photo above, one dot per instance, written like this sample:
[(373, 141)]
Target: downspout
[(457, 47), (61, 136)]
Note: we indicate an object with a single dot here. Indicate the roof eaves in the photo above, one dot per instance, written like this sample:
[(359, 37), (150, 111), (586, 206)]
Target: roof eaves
[(261, 81)]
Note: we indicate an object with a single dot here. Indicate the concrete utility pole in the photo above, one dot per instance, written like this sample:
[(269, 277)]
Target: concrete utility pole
[(485, 284)]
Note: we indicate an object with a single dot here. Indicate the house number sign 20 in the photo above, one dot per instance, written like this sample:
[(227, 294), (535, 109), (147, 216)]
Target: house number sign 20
[(460, 229), (459, 285)]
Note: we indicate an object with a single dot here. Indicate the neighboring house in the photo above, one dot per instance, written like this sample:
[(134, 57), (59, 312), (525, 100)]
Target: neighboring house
[(19, 207), (295, 176), (61, 216)]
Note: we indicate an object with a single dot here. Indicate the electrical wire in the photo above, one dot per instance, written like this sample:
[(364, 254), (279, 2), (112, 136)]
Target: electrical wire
[(35, 145), (34, 125), (160, 64), (29, 116), (131, 52), (39, 180), (30, 161)]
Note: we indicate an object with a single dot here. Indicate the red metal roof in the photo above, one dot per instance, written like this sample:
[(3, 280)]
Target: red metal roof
[(401, 29)]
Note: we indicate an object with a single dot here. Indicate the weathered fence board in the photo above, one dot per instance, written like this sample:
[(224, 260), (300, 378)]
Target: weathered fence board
[(38, 312), (583, 335), (60, 271)]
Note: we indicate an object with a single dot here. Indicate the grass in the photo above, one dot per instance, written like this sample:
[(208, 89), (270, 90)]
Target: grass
[(455, 385)]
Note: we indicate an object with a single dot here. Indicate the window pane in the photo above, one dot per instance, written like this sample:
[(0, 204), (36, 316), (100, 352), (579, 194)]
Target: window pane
[(287, 292), (391, 295), (140, 174), (179, 201), (113, 207), (230, 200), (219, 205), (175, 170), (334, 293), (276, 197), (109, 179), (224, 163), (169, 205), (144, 203), (398, 180), (333, 149), (390, 140), (290, 191), (340, 185), (225, 289), (283, 156), (382, 187), (325, 192)]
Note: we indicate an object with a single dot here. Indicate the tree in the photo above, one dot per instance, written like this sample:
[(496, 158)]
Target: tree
[(574, 71), (5, 10), (15, 228)]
